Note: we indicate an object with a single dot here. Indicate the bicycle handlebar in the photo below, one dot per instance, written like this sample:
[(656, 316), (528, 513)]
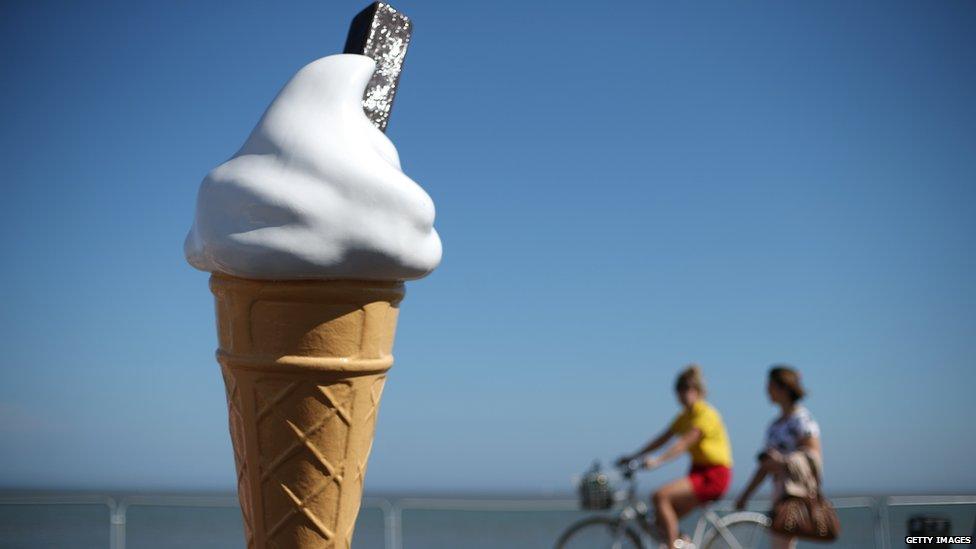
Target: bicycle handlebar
[(630, 467)]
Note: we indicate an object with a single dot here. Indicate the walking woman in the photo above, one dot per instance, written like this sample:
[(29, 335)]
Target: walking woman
[(700, 432), (792, 445)]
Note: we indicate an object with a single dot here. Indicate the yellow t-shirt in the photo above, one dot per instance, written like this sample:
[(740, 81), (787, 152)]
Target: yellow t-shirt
[(713, 447)]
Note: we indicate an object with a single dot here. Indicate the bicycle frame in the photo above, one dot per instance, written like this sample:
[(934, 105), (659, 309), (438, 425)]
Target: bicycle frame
[(636, 512), (709, 516)]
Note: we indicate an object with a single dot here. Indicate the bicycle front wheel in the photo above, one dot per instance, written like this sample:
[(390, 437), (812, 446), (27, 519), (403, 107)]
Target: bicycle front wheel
[(599, 533), (745, 530)]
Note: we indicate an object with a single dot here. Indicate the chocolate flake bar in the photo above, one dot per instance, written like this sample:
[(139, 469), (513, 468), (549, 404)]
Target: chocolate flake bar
[(383, 33)]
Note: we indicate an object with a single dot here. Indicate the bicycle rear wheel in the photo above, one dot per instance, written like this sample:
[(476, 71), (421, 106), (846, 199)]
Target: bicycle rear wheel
[(745, 530), (599, 533)]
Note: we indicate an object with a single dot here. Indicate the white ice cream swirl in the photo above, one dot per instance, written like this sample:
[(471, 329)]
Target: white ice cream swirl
[(316, 192)]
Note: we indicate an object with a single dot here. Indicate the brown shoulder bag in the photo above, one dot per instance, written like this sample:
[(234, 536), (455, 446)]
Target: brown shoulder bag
[(812, 518)]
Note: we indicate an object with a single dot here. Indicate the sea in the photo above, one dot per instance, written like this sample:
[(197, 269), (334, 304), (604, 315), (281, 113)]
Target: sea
[(421, 523)]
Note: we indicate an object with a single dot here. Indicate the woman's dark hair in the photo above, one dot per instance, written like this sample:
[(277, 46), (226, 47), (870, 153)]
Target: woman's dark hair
[(690, 378), (787, 379)]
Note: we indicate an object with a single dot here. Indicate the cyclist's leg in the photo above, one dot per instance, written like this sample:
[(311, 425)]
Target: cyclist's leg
[(671, 502)]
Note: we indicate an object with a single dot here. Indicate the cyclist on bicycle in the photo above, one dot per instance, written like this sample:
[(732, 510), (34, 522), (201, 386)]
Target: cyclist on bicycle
[(701, 433)]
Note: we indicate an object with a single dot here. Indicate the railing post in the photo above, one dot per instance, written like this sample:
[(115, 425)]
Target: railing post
[(883, 520), (387, 510), (876, 523), (389, 536), (116, 538), (396, 528)]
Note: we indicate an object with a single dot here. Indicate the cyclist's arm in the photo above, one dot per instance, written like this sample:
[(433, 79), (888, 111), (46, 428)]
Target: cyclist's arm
[(654, 444), (661, 440), (679, 447)]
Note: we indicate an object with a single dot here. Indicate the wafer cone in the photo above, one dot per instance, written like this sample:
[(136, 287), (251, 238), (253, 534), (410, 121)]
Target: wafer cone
[(304, 364)]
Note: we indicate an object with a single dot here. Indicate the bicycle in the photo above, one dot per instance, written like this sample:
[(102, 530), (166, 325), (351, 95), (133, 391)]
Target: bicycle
[(633, 524)]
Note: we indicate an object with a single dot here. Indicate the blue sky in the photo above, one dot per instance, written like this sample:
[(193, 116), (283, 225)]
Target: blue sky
[(621, 189)]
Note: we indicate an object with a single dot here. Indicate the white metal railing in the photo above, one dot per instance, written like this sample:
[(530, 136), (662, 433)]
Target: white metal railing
[(459, 504), (70, 499), (884, 519), (393, 511), (119, 516), (473, 504)]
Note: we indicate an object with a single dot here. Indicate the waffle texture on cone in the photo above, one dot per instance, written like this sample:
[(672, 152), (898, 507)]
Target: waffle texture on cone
[(304, 363)]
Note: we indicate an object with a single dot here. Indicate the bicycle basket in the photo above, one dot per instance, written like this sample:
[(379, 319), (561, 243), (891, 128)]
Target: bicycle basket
[(595, 491)]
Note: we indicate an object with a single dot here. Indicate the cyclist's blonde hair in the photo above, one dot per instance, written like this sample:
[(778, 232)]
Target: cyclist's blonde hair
[(690, 378)]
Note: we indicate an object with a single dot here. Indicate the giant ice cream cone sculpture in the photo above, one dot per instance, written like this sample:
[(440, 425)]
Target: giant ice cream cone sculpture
[(304, 365), (309, 231)]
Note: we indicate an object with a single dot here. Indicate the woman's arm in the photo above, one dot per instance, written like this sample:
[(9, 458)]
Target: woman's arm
[(775, 462), (680, 446), (810, 444), (654, 444), (758, 476)]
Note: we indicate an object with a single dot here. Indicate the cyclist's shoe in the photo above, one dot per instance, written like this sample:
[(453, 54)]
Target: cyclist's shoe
[(683, 543)]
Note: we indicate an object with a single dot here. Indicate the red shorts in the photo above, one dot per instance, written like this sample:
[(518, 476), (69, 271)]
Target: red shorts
[(709, 482)]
